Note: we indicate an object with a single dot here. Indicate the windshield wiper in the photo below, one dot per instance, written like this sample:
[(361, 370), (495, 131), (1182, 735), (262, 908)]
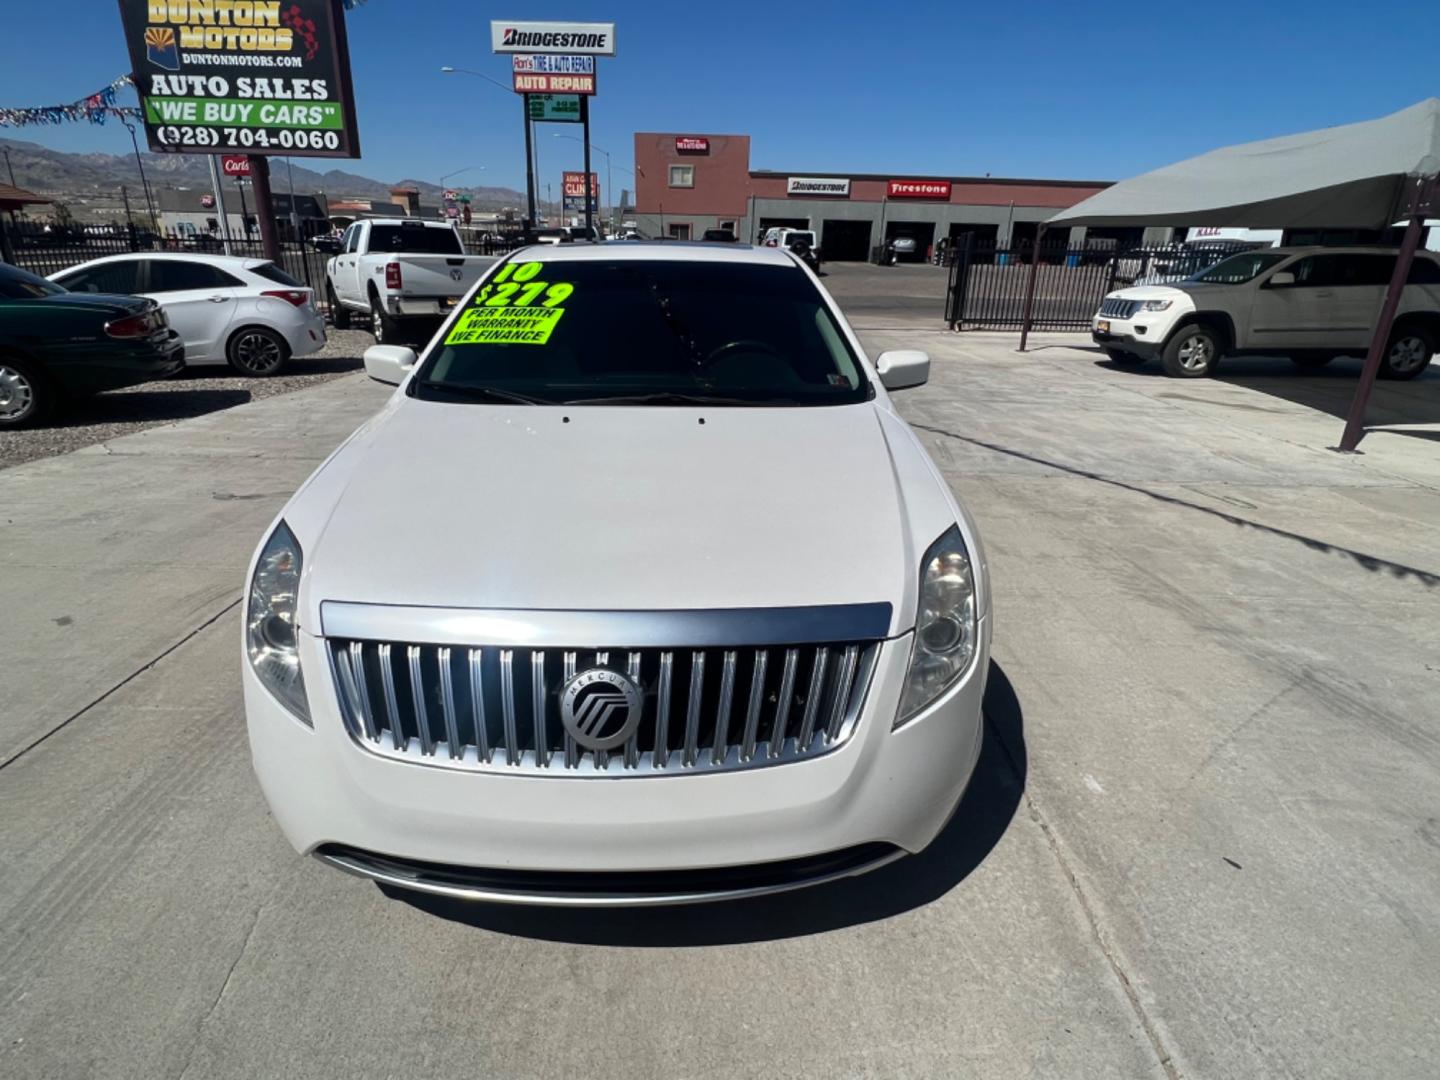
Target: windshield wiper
[(673, 397), (482, 393)]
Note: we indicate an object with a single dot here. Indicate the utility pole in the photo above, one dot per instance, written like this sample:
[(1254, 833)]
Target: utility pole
[(529, 166), (264, 206), (10, 168), (589, 194), (220, 202)]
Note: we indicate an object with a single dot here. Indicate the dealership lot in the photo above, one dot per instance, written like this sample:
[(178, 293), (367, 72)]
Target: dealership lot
[(1201, 840)]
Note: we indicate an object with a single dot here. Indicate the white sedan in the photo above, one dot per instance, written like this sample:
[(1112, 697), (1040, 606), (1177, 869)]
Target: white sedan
[(248, 313), (638, 591)]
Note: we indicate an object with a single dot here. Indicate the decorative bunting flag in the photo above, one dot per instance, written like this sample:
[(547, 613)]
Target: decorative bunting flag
[(94, 108)]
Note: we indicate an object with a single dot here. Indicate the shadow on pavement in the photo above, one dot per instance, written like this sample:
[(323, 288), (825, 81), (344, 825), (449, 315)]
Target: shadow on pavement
[(983, 815), (128, 406)]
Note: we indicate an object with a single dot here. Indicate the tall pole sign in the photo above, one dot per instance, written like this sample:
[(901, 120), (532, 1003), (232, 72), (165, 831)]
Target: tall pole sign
[(255, 77), (554, 58)]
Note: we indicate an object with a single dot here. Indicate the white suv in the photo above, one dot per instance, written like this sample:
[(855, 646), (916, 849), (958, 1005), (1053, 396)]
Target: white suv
[(1310, 304), (637, 591)]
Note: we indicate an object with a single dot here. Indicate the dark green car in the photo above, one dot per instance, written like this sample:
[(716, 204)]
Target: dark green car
[(56, 344)]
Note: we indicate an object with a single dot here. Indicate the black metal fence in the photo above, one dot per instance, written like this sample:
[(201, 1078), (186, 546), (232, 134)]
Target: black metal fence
[(988, 284), (48, 249)]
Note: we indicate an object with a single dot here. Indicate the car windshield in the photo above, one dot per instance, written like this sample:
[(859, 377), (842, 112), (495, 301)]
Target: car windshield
[(17, 284), (414, 239), (650, 331), (1238, 269)]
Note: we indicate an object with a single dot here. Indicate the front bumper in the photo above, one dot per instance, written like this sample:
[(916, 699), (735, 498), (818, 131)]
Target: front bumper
[(882, 787), (1127, 336)]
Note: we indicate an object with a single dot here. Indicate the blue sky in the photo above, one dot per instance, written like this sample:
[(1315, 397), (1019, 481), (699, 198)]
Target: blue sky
[(1035, 89)]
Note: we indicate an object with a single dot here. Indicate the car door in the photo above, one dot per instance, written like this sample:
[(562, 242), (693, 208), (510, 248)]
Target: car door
[(347, 279), (1304, 313), (200, 300)]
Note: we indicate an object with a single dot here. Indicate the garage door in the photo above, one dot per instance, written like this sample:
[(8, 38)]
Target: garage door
[(845, 241)]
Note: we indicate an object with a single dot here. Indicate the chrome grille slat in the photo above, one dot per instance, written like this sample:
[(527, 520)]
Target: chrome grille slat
[(417, 697), (842, 691), (392, 706), (662, 710), (752, 712), (812, 700), (403, 700), (447, 704), (727, 701), (507, 706), (692, 712), (632, 748), (572, 751), (782, 706), (537, 707), (477, 703), (357, 665)]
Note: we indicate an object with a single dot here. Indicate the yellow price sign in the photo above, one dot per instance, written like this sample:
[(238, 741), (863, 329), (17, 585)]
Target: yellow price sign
[(504, 326)]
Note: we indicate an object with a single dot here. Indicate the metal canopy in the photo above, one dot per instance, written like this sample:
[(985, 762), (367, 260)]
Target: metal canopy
[(1351, 176), (1366, 175)]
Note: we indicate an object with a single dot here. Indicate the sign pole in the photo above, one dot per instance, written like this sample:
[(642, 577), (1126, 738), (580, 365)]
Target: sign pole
[(264, 207), (529, 166), (589, 191), (220, 203)]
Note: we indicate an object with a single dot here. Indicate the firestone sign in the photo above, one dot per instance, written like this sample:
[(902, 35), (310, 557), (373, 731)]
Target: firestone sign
[(919, 189), (594, 39)]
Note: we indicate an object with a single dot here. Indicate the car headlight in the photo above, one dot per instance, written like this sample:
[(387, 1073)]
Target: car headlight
[(945, 624), (271, 638), (1156, 305)]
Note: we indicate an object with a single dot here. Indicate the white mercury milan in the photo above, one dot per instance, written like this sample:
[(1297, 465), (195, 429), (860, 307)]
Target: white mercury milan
[(637, 591)]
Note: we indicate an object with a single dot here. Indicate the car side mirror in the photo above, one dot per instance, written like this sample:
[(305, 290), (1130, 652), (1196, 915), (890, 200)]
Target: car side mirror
[(1283, 277), (389, 363), (900, 369)]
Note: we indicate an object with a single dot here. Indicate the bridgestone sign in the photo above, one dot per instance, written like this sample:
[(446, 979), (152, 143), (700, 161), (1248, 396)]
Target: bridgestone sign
[(593, 39), (817, 185)]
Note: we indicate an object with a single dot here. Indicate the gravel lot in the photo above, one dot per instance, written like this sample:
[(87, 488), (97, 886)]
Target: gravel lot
[(194, 393)]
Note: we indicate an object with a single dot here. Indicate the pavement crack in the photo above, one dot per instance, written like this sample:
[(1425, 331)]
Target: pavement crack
[(1092, 919), (6, 762), (224, 986)]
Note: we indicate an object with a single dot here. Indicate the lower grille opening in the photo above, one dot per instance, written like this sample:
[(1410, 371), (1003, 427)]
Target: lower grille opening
[(619, 887)]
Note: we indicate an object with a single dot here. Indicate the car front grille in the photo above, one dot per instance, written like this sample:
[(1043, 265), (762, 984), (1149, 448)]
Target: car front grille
[(497, 709), (1112, 307)]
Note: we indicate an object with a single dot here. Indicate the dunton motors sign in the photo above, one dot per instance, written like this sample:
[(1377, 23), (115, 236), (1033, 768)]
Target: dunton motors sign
[(919, 189)]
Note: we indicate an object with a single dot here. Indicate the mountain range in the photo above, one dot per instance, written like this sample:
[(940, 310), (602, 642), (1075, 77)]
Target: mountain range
[(94, 180)]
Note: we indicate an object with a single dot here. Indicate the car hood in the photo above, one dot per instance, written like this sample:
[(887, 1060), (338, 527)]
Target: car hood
[(614, 508)]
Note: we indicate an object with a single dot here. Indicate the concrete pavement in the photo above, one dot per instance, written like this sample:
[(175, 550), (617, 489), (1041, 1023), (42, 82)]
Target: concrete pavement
[(1201, 841)]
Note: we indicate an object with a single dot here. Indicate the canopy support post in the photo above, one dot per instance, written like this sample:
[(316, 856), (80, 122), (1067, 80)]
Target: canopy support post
[(1030, 286), (1422, 195)]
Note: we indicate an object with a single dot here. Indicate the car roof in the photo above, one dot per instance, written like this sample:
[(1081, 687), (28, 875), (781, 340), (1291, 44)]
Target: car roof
[(1319, 249), (658, 250), (231, 262)]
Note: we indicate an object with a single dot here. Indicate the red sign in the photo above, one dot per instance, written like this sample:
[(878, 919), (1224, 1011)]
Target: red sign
[(235, 165), (692, 144), (574, 183), (920, 189), (536, 82)]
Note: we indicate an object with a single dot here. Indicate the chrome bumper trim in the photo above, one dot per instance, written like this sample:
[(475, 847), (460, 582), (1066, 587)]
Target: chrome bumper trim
[(541, 629), (358, 867)]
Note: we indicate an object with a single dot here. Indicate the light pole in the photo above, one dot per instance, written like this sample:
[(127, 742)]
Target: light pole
[(447, 176), (529, 159), (609, 187)]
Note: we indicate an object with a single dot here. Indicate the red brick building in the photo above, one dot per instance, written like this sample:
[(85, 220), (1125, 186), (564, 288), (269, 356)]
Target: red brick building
[(687, 183)]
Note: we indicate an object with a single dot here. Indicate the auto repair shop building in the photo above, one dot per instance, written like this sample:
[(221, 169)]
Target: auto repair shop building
[(688, 183)]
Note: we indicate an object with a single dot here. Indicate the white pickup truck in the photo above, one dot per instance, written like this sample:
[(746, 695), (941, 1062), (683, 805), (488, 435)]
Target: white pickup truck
[(398, 270)]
